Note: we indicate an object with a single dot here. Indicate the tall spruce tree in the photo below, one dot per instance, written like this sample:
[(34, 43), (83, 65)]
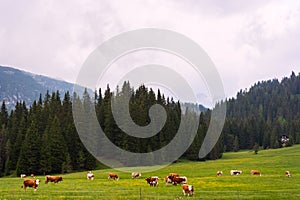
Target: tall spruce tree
[(29, 160), (57, 146)]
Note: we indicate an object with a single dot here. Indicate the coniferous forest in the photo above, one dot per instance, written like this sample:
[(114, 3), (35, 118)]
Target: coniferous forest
[(42, 138)]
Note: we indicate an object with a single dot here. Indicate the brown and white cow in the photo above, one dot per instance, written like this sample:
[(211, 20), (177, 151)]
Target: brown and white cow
[(54, 179), (178, 179), (31, 183), (135, 175), (152, 181), (167, 180), (90, 175), (288, 174), (255, 172), (219, 173), (188, 189), (113, 176), (23, 175)]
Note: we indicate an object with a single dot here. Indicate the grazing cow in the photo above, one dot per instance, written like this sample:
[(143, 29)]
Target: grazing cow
[(167, 180), (23, 175), (113, 176), (152, 181), (135, 175), (235, 172), (178, 180), (188, 189), (173, 174), (54, 179), (288, 174), (255, 172), (90, 175), (32, 175), (219, 173), (31, 183)]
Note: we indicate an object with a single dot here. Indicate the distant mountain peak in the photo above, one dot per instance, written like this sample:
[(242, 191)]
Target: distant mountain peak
[(17, 85)]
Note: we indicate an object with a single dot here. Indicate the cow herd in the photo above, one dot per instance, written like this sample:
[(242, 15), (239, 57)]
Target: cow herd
[(252, 172), (35, 183), (172, 178)]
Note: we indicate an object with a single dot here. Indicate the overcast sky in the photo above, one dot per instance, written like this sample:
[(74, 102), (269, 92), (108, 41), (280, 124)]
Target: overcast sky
[(246, 42)]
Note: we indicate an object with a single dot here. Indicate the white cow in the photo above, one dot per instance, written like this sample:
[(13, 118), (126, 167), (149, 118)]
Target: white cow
[(90, 175), (235, 172)]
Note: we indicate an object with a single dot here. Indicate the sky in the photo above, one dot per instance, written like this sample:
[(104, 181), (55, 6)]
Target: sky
[(247, 42)]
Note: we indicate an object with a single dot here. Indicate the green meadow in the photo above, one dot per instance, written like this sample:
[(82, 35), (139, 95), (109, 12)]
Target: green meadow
[(202, 175)]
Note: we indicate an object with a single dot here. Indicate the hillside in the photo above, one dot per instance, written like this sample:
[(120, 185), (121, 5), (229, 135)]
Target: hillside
[(263, 114), (202, 175), (17, 85)]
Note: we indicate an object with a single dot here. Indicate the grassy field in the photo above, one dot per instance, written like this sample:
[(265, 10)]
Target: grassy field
[(271, 185)]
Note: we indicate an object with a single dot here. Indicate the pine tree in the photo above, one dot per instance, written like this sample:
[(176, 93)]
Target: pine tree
[(3, 141), (3, 115), (67, 165), (57, 146), (256, 148), (30, 152), (236, 145)]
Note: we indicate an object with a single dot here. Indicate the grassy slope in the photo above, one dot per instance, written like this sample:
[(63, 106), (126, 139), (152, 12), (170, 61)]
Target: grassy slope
[(271, 185)]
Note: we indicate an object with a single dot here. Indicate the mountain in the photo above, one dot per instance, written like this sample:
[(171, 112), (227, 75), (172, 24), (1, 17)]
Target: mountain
[(198, 108), (17, 85)]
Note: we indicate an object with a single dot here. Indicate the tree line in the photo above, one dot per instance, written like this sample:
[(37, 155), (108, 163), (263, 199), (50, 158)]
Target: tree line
[(42, 139), (260, 116)]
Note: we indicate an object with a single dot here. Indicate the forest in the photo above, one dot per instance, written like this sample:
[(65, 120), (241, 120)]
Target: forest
[(263, 114), (42, 138)]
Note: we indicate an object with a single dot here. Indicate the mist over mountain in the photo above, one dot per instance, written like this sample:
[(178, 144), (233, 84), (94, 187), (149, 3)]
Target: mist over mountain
[(17, 85)]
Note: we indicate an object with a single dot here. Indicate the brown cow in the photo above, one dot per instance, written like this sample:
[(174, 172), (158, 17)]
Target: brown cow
[(178, 180), (168, 179), (188, 189), (54, 179), (113, 176), (219, 173), (31, 183), (255, 172), (135, 175), (173, 174), (152, 181)]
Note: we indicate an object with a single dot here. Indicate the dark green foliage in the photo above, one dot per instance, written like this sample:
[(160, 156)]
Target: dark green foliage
[(43, 139), (67, 165), (256, 148), (56, 146), (262, 114), (30, 152), (3, 153), (3, 114)]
